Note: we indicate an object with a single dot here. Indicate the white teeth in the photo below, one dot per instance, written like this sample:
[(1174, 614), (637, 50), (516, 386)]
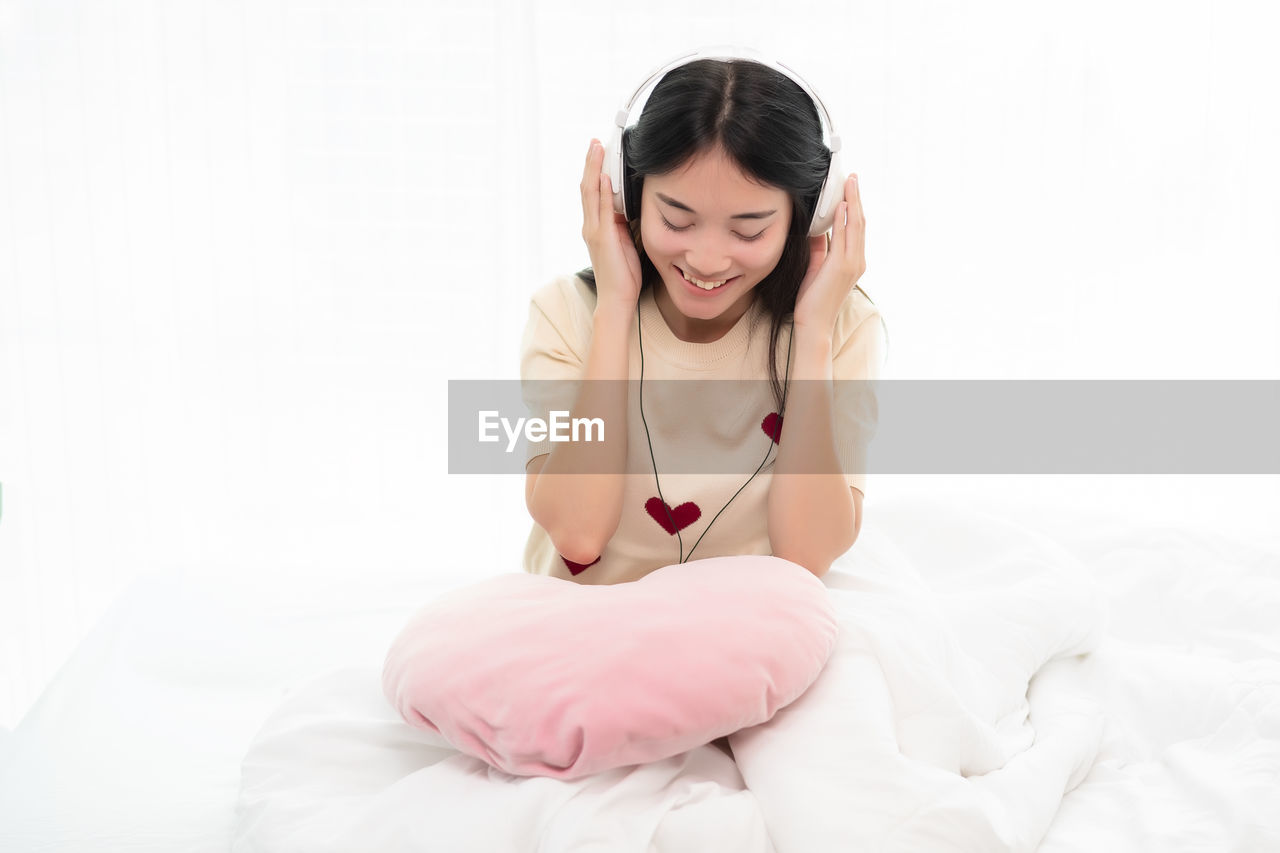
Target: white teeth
[(705, 285)]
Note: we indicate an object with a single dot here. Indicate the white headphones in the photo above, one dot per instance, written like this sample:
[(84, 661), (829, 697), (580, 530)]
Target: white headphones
[(833, 184)]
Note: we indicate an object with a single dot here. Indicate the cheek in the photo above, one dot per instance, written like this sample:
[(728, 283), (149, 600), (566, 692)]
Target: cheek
[(660, 241), (766, 253)]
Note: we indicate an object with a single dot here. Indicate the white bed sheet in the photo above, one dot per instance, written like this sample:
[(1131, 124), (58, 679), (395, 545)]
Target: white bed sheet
[(137, 744)]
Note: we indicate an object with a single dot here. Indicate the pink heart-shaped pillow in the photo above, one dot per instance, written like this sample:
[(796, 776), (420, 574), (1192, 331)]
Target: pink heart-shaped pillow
[(540, 676)]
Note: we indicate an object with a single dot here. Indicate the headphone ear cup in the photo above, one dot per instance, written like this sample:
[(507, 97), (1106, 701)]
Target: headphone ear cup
[(613, 168), (824, 214), (629, 184)]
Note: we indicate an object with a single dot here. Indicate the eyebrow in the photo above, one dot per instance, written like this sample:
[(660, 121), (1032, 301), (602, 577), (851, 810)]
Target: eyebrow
[(759, 214)]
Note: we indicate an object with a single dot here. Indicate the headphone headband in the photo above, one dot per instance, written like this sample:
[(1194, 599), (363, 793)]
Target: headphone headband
[(828, 197)]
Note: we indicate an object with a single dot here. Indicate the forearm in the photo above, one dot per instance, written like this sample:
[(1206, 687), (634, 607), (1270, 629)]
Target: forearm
[(577, 497), (810, 507)]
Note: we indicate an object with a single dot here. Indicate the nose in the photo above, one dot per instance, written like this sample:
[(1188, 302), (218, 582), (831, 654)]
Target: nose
[(708, 259)]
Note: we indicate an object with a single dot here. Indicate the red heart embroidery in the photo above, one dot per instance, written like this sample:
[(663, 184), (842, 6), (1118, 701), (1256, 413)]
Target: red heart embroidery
[(578, 568), (772, 426), (684, 515)]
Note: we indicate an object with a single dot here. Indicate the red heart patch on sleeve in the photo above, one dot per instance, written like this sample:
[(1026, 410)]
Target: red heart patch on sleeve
[(578, 568)]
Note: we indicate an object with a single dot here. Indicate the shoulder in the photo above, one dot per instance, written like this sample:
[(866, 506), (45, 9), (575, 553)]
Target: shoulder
[(559, 324), (858, 316), (565, 297), (860, 340)]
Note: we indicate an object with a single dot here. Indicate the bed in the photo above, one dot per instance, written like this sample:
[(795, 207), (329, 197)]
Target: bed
[(1153, 722)]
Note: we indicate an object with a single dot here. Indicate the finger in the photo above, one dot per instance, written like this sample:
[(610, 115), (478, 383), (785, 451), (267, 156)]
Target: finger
[(582, 185), (590, 185), (857, 239), (838, 228), (586, 165), (855, 250), (606, 201), (845, 213), (853, 243)]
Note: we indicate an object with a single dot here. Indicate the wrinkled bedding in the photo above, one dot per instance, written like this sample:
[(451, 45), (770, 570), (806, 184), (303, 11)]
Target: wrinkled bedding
[(206, 709), (982, 696)]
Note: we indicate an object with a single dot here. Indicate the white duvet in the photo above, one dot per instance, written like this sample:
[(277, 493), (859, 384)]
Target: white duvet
[(990, 690)]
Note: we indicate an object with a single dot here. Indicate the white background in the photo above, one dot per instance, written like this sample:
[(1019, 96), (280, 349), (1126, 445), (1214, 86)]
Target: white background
[(244, 246)]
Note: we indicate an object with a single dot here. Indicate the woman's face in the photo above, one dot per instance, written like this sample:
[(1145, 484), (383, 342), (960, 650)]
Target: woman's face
[(732, 233)]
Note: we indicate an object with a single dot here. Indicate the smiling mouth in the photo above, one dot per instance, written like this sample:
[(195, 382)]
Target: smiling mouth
[(705, 285)]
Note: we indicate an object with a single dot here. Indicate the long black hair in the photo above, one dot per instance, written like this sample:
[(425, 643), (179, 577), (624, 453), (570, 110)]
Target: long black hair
[(766, 124)]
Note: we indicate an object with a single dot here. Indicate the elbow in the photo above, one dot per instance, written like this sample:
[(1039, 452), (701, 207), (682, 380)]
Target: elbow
[(571, 543), (568, 540), (819, 563), (845, 544), (574, 541), (813, 563), (820, 570), (579, 551)]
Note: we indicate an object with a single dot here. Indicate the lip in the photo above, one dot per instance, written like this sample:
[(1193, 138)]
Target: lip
[(705, 294)]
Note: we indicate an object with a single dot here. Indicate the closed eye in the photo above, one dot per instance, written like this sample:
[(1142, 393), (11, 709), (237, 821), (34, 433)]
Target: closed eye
[(687, 227)]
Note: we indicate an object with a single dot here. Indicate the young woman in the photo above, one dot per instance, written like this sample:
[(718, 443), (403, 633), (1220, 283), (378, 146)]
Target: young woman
[(713, 278)]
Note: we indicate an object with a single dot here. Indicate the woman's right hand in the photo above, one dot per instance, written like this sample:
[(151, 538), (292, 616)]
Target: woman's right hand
[(608, 237)]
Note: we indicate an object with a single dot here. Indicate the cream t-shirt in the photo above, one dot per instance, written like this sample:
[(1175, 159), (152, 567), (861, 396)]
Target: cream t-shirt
[(556, 341)]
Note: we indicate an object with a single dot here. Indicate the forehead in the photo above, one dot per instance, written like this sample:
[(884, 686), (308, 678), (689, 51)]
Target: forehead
[(710, 181)]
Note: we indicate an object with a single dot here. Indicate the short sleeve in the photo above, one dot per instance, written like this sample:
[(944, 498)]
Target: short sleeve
[(553, 352), (855, 367)]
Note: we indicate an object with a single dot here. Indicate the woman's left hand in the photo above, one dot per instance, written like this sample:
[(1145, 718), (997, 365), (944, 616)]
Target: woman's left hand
[(833, 273)]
